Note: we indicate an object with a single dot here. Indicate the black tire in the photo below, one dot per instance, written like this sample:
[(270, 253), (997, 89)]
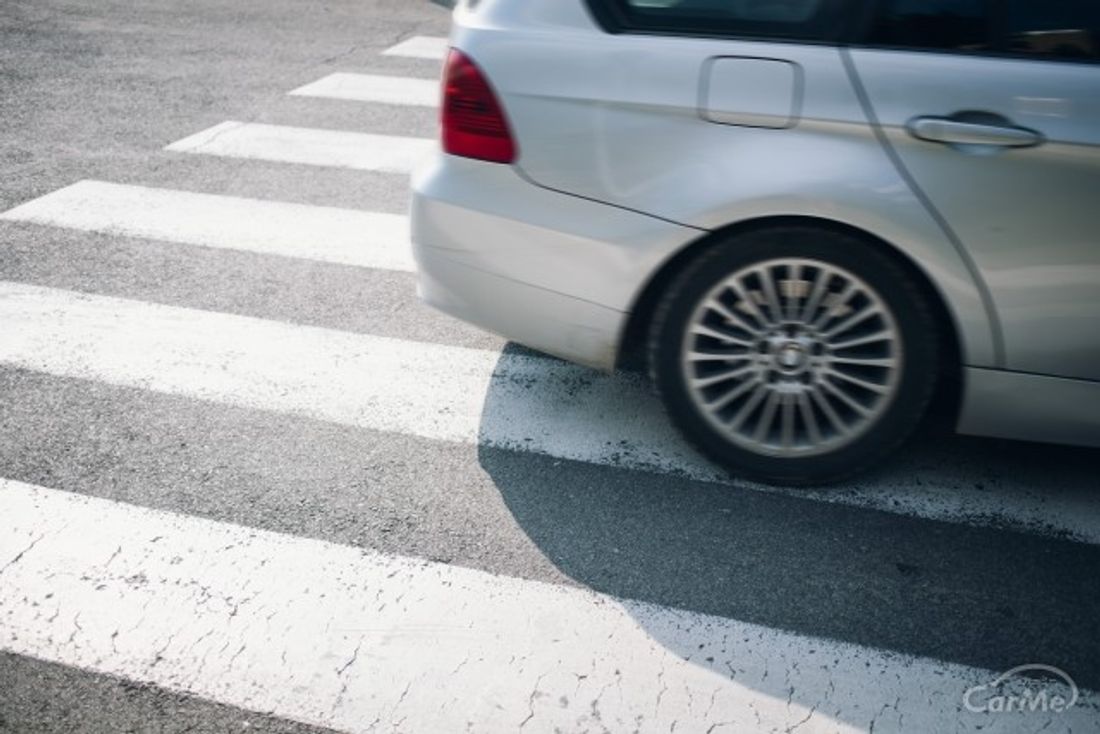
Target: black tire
[(916, 331)]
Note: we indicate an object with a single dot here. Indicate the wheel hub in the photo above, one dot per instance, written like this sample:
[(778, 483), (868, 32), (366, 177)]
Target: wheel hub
[(790, 357)]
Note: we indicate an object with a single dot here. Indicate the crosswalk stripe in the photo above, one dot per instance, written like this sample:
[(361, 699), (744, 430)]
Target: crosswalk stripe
[(310, 146), (428, 390), (327, 234), (431, 391), (349, 639), (373, 88), (420, 47)]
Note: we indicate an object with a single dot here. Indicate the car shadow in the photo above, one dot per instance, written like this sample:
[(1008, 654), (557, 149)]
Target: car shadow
[(960, 591)]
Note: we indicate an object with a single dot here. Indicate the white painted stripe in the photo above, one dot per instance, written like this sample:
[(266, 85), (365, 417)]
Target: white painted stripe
[(429, 390), (436, 392), (337, 148), (357, 641), (420, 47), (374, 88), (327, 234)]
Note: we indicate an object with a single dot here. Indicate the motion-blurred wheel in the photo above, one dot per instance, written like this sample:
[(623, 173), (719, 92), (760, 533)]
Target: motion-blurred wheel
[(794, 355)]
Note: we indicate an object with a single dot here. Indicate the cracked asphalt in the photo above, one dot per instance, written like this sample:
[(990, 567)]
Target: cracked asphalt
[(95, 90)]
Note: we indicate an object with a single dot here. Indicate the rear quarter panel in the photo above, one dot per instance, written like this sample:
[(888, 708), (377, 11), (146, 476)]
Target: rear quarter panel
[(615, 118)]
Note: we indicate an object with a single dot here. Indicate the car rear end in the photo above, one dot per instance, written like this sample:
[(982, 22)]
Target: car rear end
[(551, 270), (705, 177), (588, 153)]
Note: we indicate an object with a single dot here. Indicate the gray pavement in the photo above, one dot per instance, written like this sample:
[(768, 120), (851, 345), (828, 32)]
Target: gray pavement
[(44, 698), (96, 90)]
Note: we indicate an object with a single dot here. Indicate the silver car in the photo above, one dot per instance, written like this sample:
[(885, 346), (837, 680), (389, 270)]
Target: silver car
[(809, 215)]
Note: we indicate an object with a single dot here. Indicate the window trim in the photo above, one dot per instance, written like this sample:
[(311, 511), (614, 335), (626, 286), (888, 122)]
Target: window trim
[(614, 17), (610, 16)]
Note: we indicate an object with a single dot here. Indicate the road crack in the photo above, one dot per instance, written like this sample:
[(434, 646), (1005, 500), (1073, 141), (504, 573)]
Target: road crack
[(19, 556)]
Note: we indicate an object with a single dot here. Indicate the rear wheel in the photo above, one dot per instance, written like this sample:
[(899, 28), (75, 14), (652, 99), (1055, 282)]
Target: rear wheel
[(794, 355)]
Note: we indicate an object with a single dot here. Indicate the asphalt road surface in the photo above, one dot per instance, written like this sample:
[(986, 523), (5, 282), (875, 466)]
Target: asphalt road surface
[(248, 482)]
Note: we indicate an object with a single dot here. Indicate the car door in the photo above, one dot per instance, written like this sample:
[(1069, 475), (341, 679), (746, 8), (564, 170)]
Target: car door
[(992, 108)]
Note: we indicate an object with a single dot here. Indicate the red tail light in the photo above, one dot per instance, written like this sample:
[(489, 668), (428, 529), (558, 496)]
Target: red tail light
[(474, 125)]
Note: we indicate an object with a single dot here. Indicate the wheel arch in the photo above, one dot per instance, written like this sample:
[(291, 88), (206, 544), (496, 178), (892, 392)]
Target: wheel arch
[(631, 353)]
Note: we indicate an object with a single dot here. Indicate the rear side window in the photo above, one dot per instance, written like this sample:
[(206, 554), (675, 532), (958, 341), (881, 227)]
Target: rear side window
[(958, 25), (1067, 29), (1053, 29), (806, 20)]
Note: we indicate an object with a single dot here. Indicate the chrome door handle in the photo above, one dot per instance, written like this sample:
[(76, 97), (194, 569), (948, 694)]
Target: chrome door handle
[(957, 132)]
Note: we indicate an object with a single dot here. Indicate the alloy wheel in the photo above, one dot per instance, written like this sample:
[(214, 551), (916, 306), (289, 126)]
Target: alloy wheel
[(792, 357)]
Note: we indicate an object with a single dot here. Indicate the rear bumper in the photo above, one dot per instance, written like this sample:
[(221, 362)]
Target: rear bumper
[(551, 271), (549, 322)]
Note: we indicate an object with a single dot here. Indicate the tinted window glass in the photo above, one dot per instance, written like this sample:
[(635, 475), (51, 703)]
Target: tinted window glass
[(819, 20), (1067, 29), (962, 25)]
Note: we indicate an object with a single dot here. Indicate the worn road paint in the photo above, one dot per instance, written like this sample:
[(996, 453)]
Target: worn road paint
[(326, 234), (433, 391), (420, 47), (373, 88), (309, 146), (339, 637)]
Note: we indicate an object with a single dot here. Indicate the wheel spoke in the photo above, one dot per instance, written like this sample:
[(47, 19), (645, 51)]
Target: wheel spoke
[(714, 334), (846, 398), (809, 418), (872, 386), (733, 394), (830, 413), (787, 425), (715, 305), (768, 285), (701, 382), (793, 289), (766, 417), (746, 298), (713, 357), (832, 307), (888, 362), (750, 405), (851, 321), (878, 336), (820, 286)]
